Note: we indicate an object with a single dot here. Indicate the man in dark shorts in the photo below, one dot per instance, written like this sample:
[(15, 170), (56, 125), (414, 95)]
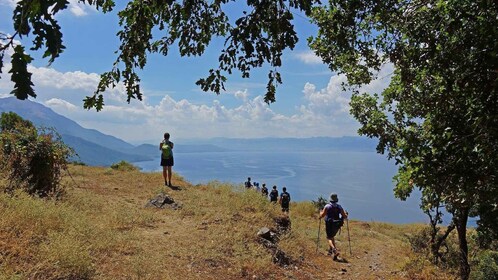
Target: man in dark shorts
[(285, 200), (274, 195), (167, 160), (334, 219)]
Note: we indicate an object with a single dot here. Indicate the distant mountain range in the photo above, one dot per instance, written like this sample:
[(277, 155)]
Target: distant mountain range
[(96, 148), (92, 146)]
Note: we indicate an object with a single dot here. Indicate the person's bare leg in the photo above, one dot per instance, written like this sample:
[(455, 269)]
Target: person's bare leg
[(165, 174), (331, 243), (169, 175), (334, 248)]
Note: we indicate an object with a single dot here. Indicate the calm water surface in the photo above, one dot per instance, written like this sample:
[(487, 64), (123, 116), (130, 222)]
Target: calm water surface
[(363, 180)]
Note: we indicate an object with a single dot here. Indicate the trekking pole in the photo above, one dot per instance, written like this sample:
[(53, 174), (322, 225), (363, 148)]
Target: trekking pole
[(349, 238), (318, 237)]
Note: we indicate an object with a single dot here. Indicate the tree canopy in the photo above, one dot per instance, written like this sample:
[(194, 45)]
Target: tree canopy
[(255, 38), (438, 117)]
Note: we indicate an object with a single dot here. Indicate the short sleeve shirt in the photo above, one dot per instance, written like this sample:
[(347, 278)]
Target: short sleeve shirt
[(332, 211)]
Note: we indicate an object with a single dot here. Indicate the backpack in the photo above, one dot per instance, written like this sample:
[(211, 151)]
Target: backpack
[(264, 190), (334, 211), (166, 150), (285, 198), (273, 195)]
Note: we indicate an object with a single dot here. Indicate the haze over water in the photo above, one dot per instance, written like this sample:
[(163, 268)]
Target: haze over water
[(363, 180)]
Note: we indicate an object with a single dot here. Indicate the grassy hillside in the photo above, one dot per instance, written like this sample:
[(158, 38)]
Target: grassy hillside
[(101, 230)]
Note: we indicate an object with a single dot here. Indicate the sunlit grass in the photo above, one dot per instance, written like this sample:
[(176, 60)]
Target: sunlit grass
[(101, 230)]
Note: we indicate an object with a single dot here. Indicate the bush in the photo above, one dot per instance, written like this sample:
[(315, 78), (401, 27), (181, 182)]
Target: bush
[(32, 159), (124, 166), (320, 202), (449, 255), (485, 266), (78, 162), (420, 240)]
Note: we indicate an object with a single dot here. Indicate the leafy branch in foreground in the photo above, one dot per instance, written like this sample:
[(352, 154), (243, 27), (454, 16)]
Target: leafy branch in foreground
[(253, 39)]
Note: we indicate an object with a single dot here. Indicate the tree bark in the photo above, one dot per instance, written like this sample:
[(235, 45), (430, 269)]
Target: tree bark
[(461, 226), (437, 242)]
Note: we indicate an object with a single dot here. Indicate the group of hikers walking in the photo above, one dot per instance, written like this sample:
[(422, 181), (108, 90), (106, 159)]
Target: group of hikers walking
[(284, 198), (333, 212)]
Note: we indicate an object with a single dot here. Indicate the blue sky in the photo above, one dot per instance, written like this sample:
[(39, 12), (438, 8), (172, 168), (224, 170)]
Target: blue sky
[(309, 103)]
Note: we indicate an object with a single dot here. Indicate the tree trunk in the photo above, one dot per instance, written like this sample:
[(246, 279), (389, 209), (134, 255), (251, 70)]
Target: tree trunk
[(437, 242), (461, 226)]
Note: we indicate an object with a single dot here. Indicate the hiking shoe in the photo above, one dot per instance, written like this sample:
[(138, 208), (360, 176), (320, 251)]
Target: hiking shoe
[(330, 252), (336, 254)]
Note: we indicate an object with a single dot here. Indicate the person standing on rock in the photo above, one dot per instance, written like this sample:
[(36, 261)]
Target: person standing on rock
[(167, 160), (334, 219)]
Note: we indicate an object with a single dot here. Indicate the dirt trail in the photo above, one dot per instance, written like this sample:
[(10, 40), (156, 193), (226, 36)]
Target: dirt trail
[(168, 242), (374, 263)]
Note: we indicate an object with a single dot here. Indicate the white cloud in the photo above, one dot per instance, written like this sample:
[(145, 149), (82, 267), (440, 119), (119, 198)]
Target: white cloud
[(62, 104), (9, 3), (321, 111), (78, 9), (308, 57), (329, 101), (241, 94), (48, 77)]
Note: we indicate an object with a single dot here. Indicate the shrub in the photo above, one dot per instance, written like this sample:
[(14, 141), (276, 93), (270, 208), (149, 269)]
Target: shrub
[(78, 162), (420, 240), (485, 266), (32, 159), (124, 166), (320, 202)]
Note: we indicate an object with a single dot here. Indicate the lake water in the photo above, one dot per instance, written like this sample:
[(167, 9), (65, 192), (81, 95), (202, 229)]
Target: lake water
[(363, 180)]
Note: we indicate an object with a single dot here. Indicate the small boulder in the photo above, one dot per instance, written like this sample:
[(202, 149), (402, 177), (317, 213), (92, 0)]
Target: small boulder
[(265, 233), (162, 201)]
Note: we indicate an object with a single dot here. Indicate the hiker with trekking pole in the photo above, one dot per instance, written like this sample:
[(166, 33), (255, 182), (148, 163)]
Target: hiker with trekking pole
[(334, 219)]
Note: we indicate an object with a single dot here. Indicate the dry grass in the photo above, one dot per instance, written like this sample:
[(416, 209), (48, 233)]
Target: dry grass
[(101, 230)]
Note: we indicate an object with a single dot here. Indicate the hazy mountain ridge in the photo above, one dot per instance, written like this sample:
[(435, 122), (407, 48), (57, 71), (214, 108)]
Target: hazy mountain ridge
[(41, 115), (96, 148), (92, 146), (91, 153)]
